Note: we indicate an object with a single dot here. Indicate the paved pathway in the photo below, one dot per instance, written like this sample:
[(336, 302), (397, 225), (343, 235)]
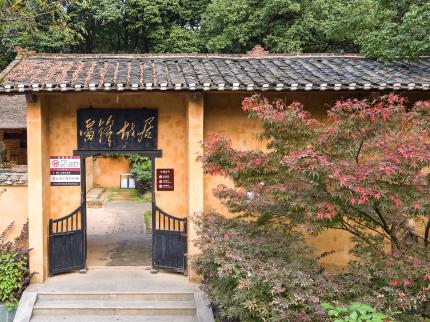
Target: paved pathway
[(117, 235)]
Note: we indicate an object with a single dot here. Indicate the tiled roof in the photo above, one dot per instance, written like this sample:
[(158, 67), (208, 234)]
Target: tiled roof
[(15, 176), (44, 72), (13, 113)]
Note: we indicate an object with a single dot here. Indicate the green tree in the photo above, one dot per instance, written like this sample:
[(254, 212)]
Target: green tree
[(136, 25), (279, 25), (382, 29), (41, 25)]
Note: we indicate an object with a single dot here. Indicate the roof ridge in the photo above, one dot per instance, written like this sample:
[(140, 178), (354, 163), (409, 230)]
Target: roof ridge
[(193, 55)]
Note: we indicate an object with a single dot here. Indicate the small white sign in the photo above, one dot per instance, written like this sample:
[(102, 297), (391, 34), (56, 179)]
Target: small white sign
[(65, 171)]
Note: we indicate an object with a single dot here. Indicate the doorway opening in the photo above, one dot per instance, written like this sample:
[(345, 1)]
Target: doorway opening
[(119, 210)]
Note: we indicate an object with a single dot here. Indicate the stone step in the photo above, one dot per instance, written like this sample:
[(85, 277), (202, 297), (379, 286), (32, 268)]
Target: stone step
[(95, 193), (114, 307), (95, 203), (117, 318), (156, 296), (96, 198)]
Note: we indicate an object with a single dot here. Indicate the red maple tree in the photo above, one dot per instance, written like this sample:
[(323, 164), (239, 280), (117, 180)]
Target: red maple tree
[(362, 170)]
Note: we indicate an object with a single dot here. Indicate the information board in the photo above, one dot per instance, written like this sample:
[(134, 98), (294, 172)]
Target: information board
[(65, 170), (165, 180)]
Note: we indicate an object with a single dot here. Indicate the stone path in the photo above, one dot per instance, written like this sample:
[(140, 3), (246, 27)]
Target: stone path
[(117, 235)]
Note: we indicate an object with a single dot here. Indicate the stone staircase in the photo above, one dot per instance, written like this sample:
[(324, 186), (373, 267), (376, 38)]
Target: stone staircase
[(130, 307)]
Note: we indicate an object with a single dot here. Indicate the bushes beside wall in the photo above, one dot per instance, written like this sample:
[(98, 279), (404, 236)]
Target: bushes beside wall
[(267, 273), (360, 172), (14, 266), (256, 273)]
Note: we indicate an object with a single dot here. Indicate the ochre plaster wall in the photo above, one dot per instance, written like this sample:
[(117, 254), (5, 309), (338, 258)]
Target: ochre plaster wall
[(56, 134), (107, 171), (13, 208), (171, 139), (224, 116)]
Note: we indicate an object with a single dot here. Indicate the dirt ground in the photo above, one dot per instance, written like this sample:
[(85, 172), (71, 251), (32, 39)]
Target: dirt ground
[(117, 235)]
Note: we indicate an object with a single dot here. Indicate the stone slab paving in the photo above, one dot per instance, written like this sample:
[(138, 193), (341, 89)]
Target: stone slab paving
[(115, 281), (117, 235)]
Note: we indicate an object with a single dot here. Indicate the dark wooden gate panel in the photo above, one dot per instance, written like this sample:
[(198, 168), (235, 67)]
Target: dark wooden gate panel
[(169, 241), (67, 242)]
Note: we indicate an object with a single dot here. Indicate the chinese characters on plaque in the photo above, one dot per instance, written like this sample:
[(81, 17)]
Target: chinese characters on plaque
[(65, 171), (117, 129), (165, 180)]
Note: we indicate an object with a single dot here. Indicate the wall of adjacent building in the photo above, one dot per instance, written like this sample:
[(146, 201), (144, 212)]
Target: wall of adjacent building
[(107, 171), (13, 208), (16, 147)]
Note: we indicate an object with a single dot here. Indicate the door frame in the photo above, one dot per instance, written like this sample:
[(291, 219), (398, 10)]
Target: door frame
[(84, 154)]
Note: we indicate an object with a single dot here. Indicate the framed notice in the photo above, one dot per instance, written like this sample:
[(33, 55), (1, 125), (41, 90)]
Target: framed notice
[(65, 171), (165, 180)]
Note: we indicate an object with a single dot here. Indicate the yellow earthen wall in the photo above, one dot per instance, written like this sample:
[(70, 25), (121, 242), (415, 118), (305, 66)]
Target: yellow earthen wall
[(107, 171), (13, 208), (176, 135), (171, 139), (224, 116)]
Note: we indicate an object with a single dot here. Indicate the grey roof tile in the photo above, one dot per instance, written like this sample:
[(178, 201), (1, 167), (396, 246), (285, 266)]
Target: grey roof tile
[(197, 71)]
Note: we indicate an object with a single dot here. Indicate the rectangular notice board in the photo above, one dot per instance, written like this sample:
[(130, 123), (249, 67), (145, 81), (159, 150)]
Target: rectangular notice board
[(65, 170)]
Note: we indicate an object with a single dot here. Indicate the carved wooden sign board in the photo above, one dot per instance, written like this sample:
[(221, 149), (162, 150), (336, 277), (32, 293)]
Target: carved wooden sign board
[(117, 129)]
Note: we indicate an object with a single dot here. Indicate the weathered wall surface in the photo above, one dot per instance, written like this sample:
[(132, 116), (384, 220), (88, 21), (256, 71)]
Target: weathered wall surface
[(171, 139), (107, 171), (52, 131), (224, 116), (13, 208)]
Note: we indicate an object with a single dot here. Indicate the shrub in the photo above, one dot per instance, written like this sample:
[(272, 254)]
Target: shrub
[(141, 167), (354, 313), (14, 267), (396, 284), (361, 172), (259, 273)]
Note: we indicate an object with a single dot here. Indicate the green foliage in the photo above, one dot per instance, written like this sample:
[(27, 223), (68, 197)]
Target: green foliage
[(281, 26), (354, 312), (141, 167), (256, 273), (385, 30), (42, 25), (147, 215), (14, 271)]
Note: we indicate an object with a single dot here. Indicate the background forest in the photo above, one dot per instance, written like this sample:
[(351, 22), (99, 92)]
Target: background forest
[(381, 29)]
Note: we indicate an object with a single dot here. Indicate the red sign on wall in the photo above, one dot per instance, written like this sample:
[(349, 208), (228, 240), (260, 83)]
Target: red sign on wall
[(165, 180)]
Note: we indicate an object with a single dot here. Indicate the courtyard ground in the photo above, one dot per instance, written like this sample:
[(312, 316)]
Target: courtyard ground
[(117, 234)]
